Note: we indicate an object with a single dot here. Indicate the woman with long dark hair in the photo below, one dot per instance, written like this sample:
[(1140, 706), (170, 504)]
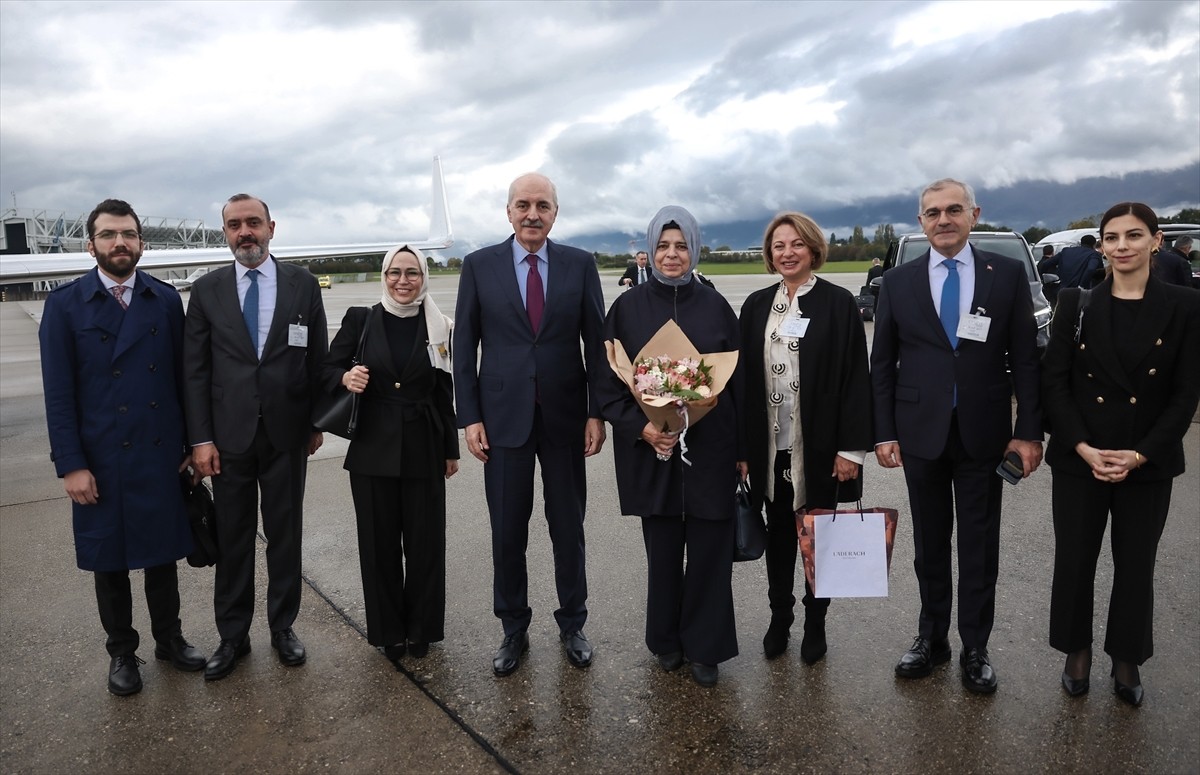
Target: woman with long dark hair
[(1120, 382)]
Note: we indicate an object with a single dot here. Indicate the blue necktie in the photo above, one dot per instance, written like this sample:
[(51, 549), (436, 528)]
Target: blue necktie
[(949, 311), (250, 308)]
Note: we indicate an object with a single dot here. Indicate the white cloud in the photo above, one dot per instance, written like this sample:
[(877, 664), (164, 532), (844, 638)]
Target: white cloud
[(331, 111)]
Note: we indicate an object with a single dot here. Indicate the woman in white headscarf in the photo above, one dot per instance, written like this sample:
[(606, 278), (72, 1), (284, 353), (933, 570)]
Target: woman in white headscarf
[(404, 449), (686, 509)]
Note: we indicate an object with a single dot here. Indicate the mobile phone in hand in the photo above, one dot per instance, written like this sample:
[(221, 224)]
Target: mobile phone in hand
[(1011, 469)]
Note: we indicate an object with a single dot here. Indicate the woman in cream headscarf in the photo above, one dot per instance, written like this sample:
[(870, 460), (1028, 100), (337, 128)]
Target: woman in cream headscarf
[(685, 508), (405, 447)]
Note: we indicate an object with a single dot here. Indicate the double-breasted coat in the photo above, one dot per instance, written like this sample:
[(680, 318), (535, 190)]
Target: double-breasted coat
[(112, 385)]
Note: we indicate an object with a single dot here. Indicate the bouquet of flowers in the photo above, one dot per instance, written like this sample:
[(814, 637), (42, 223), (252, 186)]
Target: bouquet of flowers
[(685, 378), (673, 392)]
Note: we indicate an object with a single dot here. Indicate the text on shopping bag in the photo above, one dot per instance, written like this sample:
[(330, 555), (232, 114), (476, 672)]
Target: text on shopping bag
[(851, 555)]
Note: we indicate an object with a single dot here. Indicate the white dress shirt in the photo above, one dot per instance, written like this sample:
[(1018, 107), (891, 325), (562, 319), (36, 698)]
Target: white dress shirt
[(966, 279), (268, 284), (521, 268), (127, 293)]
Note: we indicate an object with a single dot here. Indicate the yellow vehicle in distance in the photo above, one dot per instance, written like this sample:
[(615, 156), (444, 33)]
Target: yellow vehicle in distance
[(324, 281)]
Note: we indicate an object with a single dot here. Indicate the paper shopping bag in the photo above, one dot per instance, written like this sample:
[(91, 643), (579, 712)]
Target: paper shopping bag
[(847, 553)]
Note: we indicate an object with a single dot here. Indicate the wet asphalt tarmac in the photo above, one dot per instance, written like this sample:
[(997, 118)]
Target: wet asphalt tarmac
[(347, 710)]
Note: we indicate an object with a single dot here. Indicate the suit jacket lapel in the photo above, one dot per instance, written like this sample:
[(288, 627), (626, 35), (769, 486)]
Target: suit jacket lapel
[(230, 307), (138, 318), (105, 312), (1097, 334), (505, 278), (377, 350), (285, 294), (924, 296), (564, 271), (1152, 319), (984, 275)]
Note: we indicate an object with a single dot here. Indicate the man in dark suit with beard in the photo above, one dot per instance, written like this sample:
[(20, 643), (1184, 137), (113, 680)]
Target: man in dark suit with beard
[(947, 328), (523, 307), (253, 345)]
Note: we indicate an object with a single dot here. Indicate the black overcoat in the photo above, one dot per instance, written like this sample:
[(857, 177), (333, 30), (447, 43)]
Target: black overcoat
[(648, 486), (835, 390)]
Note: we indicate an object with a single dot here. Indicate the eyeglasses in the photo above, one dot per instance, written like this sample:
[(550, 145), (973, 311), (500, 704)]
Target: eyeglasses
[(129, 235), (396, 274), (933, 213)]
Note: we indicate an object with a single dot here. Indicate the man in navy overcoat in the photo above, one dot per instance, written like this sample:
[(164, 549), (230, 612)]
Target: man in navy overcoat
[(110, 344)]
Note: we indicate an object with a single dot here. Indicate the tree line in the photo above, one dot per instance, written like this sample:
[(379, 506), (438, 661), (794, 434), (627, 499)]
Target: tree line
[(856, 247)]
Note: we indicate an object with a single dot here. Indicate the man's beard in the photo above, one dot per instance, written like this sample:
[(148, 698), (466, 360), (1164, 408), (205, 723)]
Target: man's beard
[(249, 254), (118, 265)]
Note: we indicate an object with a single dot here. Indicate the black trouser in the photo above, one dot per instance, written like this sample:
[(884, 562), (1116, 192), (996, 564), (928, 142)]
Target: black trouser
[(955, 489), (508, 483), (689, 608), (280, 475), (782, 545), (402, 554), (115, 600), (1081, 507)]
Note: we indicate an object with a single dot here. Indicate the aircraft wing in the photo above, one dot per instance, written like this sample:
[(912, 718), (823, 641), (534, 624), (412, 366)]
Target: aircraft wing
[(23, 268)]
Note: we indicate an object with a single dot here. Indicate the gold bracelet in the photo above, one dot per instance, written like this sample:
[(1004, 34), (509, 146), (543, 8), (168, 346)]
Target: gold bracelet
[(1137, 456)]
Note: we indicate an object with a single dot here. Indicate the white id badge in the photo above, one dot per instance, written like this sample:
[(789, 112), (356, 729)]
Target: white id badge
[(974, 327), (794, 326), (297, 335)]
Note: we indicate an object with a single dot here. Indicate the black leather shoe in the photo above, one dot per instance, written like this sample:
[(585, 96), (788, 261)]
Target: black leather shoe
[(508, 656), (924, 655), (419, 648), (705, 675), (1075, 687), (775, 642), (225, 658), (395, 653), (670, 662), (577, 648), (124, 678), (1132, 692), (1080, 663), (813, 645), (977, 673), (289, 647), (183, 655)]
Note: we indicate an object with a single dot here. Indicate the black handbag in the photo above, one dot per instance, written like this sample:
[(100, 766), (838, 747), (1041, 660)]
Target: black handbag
[(751, 530), (337, 412), (202, 517)]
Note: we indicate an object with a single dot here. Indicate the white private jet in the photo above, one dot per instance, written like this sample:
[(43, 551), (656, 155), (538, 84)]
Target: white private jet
[(185, 283), (24, 268)]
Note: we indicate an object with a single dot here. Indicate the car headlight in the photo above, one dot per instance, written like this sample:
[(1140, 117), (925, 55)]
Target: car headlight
[(1042, 319)]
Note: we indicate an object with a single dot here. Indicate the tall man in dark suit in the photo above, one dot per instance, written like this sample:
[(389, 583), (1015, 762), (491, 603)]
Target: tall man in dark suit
[(254, 342), (110, 345), (947, 328), (637, 272), (526, 304)]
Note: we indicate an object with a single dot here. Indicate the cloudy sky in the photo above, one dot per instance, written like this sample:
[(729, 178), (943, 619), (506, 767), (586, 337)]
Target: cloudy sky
[(332, 111)]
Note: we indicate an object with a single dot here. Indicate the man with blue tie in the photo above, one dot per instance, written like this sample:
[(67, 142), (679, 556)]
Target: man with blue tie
[(110, 346), (254, 342), (948, 328), (524, 390)]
